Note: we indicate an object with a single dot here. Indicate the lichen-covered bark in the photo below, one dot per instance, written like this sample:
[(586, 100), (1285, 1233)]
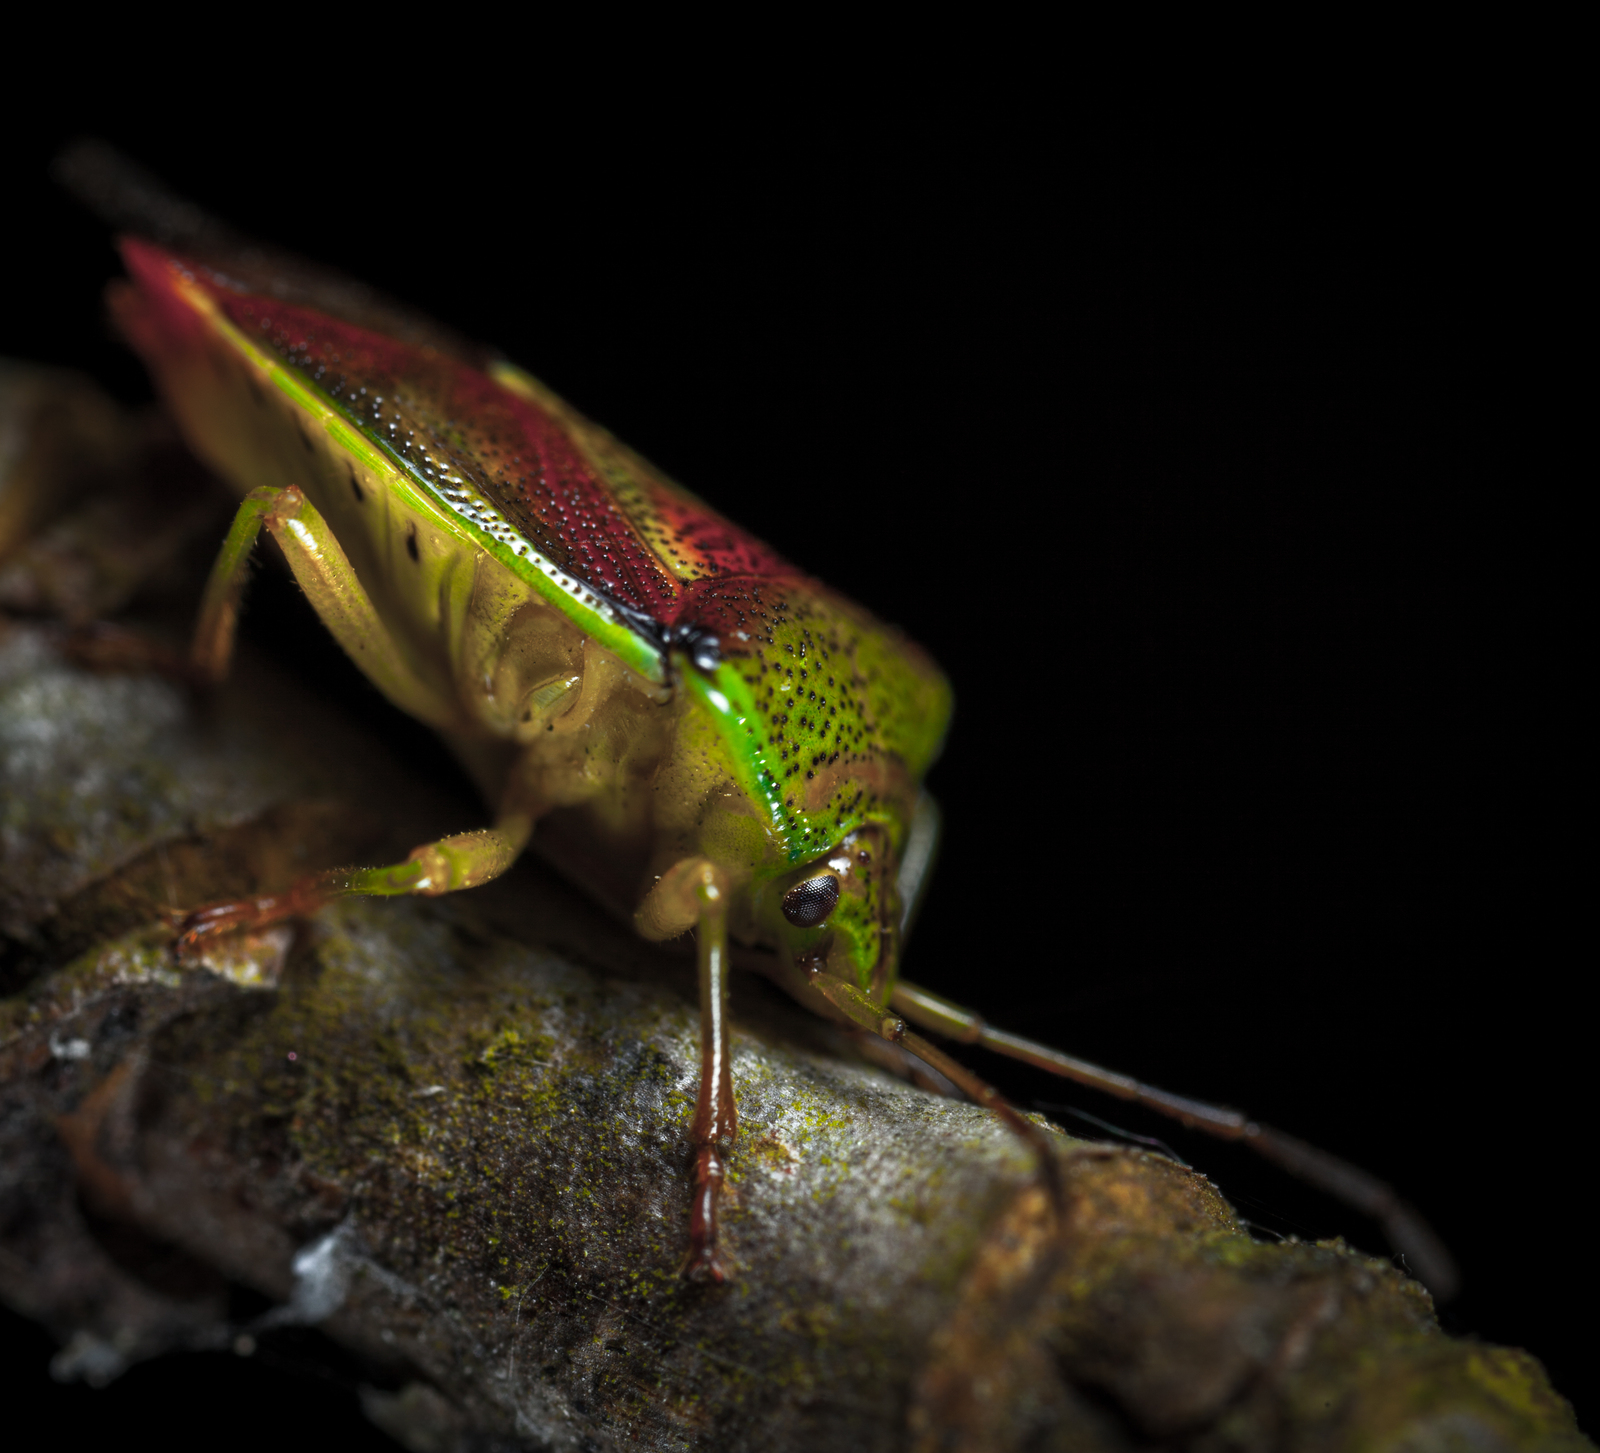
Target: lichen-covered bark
[(454, 1134)]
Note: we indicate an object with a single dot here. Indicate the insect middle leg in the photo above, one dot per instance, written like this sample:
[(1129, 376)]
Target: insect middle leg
[(324, 572), (464, 860)]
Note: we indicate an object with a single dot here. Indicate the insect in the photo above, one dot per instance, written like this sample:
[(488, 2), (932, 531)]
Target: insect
[(707, 738)]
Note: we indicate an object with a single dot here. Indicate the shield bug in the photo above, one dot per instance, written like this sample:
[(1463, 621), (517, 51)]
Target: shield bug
[(709, 739)]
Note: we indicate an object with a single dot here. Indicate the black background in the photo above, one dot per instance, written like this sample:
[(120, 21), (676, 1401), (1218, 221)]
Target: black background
[(1209, 472)]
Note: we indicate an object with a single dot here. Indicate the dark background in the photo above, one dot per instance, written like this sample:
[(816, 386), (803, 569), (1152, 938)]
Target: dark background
[(1212, 476)]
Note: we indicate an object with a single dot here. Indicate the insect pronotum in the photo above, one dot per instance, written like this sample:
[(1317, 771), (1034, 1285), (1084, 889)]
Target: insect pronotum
[(710, 739)]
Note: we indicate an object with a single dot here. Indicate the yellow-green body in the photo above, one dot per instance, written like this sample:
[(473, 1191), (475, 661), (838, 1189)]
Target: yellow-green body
[(632, 742)]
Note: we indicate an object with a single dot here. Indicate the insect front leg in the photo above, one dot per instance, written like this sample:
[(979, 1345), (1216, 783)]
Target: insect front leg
[(695, 892), (1408, 1233)]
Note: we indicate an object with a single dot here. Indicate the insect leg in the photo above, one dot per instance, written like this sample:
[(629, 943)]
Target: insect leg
[(211, 651), (1408, 1233), (695, 892), (463, 861), (324, 572), (716, 1115)]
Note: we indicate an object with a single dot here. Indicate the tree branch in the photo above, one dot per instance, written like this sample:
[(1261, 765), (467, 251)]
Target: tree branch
[(454, 1134)]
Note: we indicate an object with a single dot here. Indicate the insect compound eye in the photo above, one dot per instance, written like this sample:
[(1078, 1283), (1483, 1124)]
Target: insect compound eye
[(807, 904)]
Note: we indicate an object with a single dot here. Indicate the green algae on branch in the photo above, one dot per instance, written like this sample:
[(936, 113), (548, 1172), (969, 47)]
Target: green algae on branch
[(454, 1134)]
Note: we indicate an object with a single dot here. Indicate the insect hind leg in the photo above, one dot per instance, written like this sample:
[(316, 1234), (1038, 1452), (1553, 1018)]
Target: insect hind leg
[(211, 651), (330, 582)]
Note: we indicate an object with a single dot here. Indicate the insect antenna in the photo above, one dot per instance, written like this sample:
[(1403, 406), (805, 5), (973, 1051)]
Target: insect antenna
[(1408, 1233), (1050, 1107), (985, 1094)]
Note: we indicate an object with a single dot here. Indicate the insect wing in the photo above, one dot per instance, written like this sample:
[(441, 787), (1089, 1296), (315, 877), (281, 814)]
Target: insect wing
[(627, 551)]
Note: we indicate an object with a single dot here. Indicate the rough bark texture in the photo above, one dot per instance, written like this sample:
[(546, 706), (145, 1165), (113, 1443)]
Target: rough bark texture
[(454, 1134)]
